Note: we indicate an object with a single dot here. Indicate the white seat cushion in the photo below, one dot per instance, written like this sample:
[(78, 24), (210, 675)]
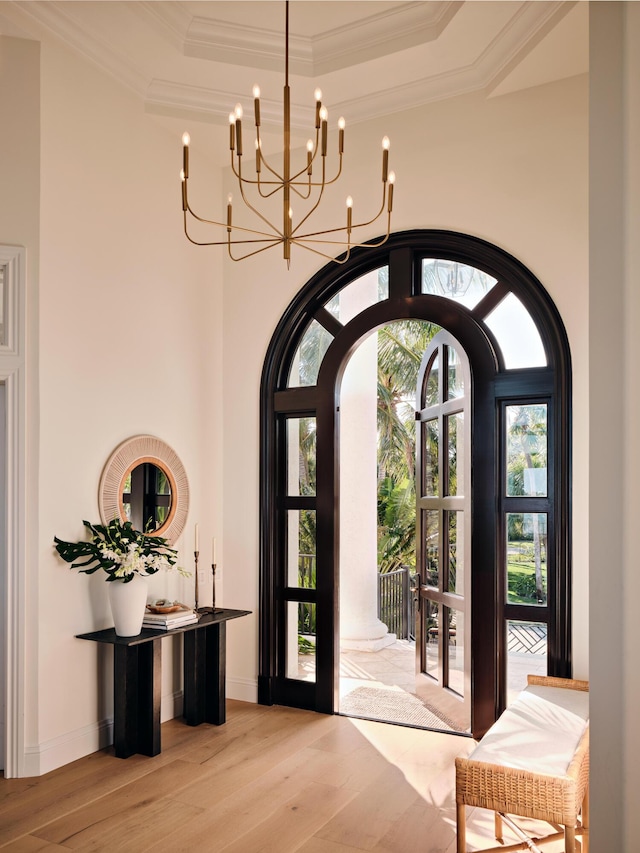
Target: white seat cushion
[(539, 732)]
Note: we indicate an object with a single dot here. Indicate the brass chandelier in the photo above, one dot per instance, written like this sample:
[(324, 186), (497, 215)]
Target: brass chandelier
[(301, 185)]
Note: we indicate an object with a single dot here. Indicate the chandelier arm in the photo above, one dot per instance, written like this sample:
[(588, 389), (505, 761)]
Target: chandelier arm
[(356, 225), (265, 234), (267, 239), (378, 214), (324, 254), (314, 207), (257, 212), (259, 184), (302, 241), (326, 182), (277, 185), (233, 167), (229, 244), (334, 179), (310, 162), (266, 163), (302, 171), (303, 196)]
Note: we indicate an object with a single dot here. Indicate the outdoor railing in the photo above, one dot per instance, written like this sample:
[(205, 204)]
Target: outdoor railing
[(396, 609), (395, 603)]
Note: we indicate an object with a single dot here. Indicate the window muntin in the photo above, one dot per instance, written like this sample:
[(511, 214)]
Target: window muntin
[(516, 333), (456, 281)]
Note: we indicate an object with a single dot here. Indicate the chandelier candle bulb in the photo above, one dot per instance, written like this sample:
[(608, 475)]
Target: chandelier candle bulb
[(256, 104), (309, 156), (341, 126), (392, 180), (385, 158), (318, 96), (239, 135), (257, 155), (349, 212), (324, 116), (229, 200), (186, 139), (184, 190)]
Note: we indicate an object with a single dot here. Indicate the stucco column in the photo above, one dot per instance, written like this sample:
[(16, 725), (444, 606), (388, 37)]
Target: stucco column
[(360, 627)]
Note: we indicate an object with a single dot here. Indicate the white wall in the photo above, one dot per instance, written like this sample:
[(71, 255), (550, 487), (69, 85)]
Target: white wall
[(615, 409), (512, 170), (129, 343)]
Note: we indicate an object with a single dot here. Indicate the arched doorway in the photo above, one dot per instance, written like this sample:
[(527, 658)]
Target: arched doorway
[(490, 304)]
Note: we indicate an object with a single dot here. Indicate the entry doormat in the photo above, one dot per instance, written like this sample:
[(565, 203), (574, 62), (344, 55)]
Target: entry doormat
[(392, 706)]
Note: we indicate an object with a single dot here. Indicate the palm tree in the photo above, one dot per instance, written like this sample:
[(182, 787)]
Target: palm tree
[(400, 349)]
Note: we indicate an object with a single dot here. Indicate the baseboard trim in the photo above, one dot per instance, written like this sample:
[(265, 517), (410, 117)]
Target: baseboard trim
[(243, 689), (66, 748)]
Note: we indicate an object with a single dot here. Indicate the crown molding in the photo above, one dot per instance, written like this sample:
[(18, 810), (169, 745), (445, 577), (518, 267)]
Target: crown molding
[(407, 25), (53, 16), (252, 47), (532, 18), (175, 30)]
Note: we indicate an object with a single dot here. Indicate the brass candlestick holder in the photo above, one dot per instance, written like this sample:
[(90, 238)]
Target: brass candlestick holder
[(196, 555), (211, 609)]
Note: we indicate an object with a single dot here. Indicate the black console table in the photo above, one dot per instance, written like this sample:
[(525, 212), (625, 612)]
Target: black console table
[(137, 664)]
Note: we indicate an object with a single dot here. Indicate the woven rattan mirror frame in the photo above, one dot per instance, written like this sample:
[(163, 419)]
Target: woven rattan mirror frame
[(132, 452)]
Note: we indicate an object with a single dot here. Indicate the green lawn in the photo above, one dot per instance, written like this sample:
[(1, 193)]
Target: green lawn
[(521, 575)]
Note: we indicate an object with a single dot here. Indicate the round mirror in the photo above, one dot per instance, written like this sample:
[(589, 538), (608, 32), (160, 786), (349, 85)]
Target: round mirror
[(145, 483)]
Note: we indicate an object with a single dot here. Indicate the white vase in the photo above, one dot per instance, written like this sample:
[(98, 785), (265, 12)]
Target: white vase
[(128, 602)]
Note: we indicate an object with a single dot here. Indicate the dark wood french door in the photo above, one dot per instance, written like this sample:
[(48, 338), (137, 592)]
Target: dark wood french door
[(443, 531), (464, 510)]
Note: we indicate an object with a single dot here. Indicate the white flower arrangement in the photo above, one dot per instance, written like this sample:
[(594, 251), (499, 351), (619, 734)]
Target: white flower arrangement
[(120, 551)]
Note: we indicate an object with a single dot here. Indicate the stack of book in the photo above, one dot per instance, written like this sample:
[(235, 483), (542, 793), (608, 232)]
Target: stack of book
[(177, 618)]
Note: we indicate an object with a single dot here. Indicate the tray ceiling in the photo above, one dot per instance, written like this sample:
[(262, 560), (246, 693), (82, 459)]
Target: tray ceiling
[(197, 59)]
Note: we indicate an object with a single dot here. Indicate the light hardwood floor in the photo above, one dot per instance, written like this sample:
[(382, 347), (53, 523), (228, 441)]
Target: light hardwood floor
[(272, 780)]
